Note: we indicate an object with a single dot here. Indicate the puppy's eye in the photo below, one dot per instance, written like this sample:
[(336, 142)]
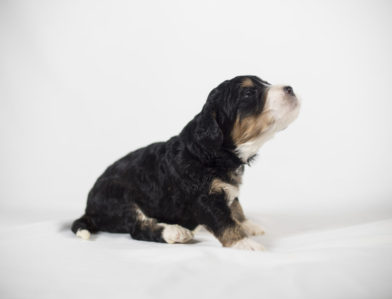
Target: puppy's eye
[(248, 93)]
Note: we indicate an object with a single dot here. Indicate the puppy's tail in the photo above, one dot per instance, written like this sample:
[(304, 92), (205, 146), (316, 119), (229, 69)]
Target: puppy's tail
[(83, 227)]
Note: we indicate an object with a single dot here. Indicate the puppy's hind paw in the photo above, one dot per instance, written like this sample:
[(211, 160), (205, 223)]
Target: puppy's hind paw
[(173, 233)]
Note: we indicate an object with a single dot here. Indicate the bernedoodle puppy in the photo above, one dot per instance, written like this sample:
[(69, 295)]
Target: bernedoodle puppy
[(165, 190)]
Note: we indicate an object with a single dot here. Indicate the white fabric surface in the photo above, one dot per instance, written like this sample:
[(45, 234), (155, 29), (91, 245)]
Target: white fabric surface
[(43, 259)]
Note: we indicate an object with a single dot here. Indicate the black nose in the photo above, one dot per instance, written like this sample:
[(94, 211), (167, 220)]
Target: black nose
[(288, 90)]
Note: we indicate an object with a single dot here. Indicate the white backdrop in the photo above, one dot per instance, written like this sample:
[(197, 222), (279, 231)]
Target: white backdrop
[(82, 83)]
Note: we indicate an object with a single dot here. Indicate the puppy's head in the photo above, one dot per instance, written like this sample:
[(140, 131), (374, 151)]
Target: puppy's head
[(248, 111)]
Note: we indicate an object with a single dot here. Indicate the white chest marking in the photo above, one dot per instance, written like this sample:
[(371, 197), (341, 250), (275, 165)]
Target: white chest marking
[(250, 148)]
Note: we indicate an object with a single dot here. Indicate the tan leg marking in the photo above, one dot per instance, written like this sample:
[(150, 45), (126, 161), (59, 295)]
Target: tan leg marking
[(231, 191), (237, 212), (250, 227), (232, 235)]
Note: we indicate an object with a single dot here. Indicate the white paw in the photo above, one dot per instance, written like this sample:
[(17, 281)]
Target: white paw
[(83, 234), (251, 228), (173, 233), (248, 244), (197, 229)]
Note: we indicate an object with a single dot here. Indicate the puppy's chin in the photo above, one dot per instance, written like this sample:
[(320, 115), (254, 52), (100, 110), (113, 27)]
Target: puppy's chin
[(289, 117)]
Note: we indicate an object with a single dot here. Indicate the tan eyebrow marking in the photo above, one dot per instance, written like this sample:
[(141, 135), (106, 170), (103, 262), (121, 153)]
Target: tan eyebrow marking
[(247, 82)]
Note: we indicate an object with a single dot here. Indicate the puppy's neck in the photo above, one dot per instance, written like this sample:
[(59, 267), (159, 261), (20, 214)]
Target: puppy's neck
[(246, 151)]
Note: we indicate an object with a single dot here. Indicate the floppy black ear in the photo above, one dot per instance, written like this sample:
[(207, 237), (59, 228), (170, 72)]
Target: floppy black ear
[(203, 135), (207, 132)]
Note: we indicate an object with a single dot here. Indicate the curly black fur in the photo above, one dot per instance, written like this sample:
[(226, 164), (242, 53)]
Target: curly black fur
[(170, 181)]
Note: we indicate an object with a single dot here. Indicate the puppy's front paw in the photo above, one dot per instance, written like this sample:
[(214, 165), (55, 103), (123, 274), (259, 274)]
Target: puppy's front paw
[(248, 244), (173, 233), (251, 228)]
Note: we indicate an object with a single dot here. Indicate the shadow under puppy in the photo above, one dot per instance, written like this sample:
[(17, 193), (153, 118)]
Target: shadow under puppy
[(165, 190)]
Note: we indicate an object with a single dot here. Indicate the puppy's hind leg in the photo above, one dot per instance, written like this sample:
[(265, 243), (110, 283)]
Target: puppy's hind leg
[(148, 229)]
